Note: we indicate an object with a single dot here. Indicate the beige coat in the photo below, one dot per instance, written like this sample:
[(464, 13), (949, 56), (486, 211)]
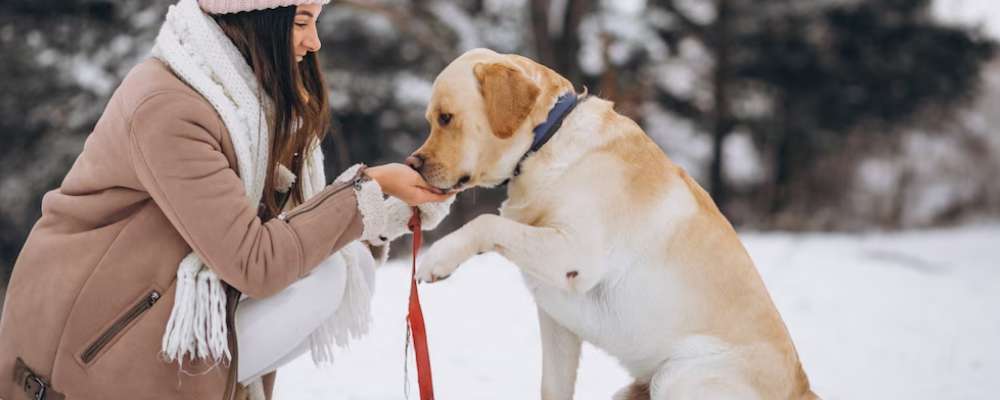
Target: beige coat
[(93, 287)]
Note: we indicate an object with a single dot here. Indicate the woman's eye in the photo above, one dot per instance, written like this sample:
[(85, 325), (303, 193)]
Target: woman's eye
[(444, 119)]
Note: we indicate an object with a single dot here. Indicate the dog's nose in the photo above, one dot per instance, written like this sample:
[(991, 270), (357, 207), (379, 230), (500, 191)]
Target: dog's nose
[(415, 161)]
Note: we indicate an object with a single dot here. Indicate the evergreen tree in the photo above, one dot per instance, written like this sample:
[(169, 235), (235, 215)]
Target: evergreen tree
[(824, 69)]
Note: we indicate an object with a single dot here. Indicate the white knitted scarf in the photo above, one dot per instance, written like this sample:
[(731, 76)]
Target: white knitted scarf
[(197, 50)]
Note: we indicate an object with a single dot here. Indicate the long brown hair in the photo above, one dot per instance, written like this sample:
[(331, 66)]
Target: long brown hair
[(300, 116)]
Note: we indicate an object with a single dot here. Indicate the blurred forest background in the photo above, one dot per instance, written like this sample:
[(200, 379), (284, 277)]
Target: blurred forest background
[(812, 115)]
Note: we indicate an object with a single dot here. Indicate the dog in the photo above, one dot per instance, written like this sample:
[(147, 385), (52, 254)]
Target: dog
[(618, 245)]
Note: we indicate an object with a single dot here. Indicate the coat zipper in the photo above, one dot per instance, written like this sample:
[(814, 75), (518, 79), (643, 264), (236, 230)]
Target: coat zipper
[(119, 325), (310, 205)]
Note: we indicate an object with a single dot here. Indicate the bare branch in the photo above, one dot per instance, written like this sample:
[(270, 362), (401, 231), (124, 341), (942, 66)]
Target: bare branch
[(694, 27), (683, 107), (404, 22)]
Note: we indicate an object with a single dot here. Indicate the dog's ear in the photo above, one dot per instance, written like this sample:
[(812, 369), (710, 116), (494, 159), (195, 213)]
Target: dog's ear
[(509, 96)]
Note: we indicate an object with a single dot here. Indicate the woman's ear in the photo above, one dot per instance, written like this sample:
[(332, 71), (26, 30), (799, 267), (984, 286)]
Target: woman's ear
[(508, 96)]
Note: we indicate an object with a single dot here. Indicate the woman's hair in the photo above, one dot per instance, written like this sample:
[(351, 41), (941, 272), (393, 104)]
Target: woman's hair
[(300, 117)]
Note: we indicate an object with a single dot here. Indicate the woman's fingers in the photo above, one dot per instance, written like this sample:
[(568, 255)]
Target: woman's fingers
[(420, 195), (435, 197), (404, 183)]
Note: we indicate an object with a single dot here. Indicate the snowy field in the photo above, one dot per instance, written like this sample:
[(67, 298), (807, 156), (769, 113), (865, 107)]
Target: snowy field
[(874, 316)]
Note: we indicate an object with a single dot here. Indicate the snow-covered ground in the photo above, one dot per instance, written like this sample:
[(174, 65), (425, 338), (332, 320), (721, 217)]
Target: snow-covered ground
[(875, 316), (982, 13)]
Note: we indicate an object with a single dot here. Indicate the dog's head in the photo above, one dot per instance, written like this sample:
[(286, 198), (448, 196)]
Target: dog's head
[(482, 111)]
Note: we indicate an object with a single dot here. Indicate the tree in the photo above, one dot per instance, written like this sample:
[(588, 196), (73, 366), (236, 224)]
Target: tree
[(878, 63), (61, 60), (824, 69)]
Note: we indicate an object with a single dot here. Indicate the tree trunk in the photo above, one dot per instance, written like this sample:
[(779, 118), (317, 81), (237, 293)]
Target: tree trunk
[(782, 172), (721, 118), (559, 51), (783, 163), (569, 43), (542, 35)]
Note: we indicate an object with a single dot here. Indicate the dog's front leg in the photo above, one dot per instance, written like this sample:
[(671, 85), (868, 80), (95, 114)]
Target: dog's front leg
[(554, 257), (560, 358), (446, 254)]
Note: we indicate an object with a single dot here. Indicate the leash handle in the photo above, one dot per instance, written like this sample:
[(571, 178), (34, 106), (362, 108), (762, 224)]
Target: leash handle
[(415, 317)]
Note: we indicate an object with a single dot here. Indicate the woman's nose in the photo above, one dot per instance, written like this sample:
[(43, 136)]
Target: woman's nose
[(312, 42)]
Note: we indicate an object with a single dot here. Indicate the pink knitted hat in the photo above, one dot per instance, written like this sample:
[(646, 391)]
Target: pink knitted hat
[(234, 6)]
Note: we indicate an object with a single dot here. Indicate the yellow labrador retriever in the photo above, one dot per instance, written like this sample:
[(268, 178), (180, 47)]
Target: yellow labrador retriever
[(618, 245)]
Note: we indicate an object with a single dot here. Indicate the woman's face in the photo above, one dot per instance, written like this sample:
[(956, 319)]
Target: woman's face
[(305, 38)]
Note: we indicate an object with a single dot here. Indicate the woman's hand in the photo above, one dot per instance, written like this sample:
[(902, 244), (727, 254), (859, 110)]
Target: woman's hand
[(402, 182)]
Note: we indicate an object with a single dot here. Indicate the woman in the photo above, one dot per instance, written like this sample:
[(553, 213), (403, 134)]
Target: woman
[(197, 218)]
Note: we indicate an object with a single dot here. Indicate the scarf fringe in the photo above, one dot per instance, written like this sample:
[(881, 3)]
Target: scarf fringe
[(197, 324)]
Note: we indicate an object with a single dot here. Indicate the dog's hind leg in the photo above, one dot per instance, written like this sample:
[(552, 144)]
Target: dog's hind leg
[(560, 359), (696, 382)]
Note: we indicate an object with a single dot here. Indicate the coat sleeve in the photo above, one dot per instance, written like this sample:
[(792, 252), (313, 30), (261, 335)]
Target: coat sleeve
[(175, 149)]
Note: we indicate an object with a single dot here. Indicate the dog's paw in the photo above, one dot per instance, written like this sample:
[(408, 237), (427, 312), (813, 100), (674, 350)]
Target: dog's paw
[(443, 258)]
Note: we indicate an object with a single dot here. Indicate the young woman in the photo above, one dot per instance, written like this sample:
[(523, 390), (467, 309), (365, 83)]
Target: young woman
[(195, 243)]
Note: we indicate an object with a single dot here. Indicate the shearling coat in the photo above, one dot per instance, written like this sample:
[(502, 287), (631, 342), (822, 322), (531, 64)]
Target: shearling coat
[(93, 287)]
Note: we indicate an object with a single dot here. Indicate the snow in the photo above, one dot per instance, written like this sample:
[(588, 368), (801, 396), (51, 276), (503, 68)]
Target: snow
[(460, 22), (981, 13), (701, 12), (684, 142), (902, 316), (743, 164), (413, 90)]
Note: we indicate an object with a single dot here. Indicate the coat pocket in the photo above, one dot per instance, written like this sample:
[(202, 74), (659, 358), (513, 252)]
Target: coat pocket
[(119, 326)]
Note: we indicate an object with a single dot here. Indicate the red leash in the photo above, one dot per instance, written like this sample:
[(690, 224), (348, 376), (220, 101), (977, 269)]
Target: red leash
[(415, 318)]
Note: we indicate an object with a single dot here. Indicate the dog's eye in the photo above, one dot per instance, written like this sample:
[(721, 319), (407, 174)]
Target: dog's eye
[(444, 119)]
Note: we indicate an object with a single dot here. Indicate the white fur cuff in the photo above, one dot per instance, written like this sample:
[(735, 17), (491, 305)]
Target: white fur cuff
[(431, 214), (349, 174), (386, 219), (398, 216), (370, 200)]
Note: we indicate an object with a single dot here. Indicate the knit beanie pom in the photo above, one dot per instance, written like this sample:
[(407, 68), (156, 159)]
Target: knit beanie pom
[(235, 6)]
